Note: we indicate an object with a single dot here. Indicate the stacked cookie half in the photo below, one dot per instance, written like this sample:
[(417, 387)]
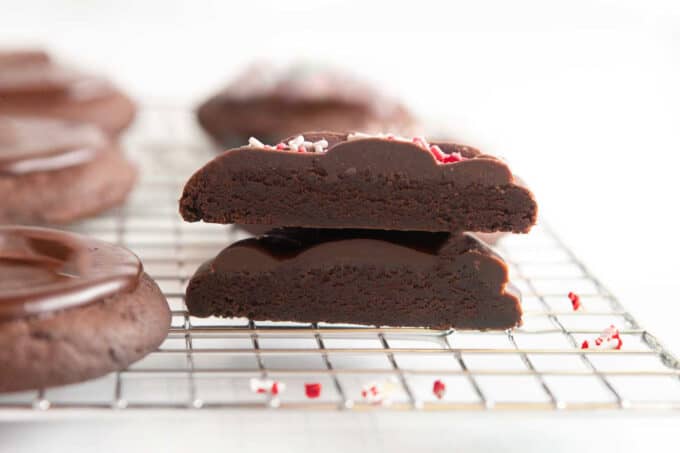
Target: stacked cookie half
[(366, 229)]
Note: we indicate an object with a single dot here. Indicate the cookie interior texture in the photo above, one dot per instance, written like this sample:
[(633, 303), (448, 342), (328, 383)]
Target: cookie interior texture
[(369, 277)]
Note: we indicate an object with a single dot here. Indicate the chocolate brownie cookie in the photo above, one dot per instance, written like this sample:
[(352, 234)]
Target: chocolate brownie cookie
[(58, 171), (392, 278), (72, 308), (337, 180), (271, 104), (32, 84)]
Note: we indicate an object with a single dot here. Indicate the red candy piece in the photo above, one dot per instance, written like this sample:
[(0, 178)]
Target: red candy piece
[(302, 149), (313, 390), (443, 158), (281, 146), (451, 158), (575, 301), (371, 392), (439, 389), (437, 153)]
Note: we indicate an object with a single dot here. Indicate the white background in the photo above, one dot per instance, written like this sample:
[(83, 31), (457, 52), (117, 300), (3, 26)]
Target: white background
[(583, 97)]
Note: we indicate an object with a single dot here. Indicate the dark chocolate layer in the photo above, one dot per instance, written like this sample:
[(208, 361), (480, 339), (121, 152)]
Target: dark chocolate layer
[(369, 277), (372, 183), (45, 270)]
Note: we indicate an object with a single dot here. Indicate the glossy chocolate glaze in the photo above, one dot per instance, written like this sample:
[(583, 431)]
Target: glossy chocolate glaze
[(35, 144), (396, 248), (374, 154), (43, 270), (314, 247)]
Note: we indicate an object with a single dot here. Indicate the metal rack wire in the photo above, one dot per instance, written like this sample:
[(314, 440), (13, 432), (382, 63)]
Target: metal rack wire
[(208, 363)]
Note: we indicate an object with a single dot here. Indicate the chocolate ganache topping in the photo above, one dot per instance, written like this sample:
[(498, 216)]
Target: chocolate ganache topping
[(43, 270), (36, 144)]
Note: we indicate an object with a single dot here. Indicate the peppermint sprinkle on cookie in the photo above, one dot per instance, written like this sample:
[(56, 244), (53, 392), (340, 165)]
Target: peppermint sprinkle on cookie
[(298, 144), (439, 155)]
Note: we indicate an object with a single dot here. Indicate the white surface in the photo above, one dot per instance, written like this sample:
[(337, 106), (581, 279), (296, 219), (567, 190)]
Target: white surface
[(582, 96), (337, 432), (375, 433)]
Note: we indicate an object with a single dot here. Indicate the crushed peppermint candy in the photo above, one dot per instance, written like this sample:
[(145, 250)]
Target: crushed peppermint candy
[(439, 389), (298, 144), (313, 390), (608, 339), (268, 386), (379, 393), (255, 143), (439, 155), (575, 301)]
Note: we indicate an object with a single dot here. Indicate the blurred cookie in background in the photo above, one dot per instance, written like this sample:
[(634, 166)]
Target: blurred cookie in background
[(269, 103), (55, 171), (33, 84)]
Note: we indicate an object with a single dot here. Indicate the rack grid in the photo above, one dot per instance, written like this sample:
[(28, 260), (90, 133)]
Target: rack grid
[(208, 363)]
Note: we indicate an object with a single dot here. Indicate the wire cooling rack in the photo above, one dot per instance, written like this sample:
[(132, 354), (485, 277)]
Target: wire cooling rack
[(209, 363)]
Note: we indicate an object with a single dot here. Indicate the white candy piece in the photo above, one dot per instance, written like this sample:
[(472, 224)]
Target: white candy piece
[(396, 138), (320, 146), (296, 142), (255, 143)]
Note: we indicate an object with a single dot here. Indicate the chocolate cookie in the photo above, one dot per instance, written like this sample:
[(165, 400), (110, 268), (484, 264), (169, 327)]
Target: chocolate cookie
[(334, 180), (370, 277), (72, 308), (32, 84), (58, 171), (271, 104)]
